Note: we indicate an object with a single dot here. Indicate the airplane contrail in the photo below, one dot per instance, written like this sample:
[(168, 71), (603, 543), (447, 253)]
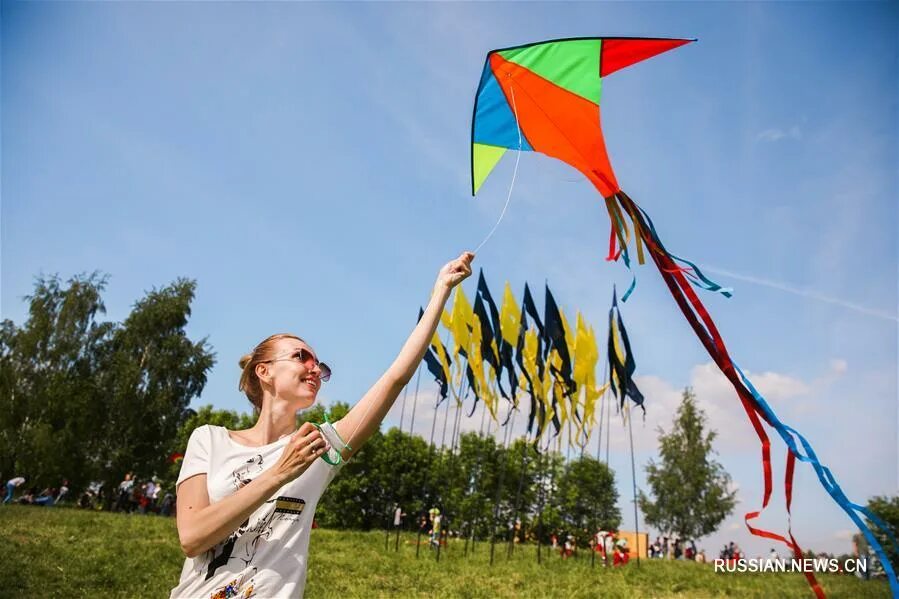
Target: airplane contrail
[(805, 293)]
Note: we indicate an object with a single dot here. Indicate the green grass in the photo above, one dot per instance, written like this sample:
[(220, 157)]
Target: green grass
[(58, 552)]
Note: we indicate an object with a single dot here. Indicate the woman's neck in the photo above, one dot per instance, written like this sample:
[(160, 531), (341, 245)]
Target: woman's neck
[(275, 420)]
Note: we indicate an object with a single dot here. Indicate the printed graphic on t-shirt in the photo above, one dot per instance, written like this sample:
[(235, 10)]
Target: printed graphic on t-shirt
[(243, 475), (289, 508), (244, 542), (242, 588), (289, 505)]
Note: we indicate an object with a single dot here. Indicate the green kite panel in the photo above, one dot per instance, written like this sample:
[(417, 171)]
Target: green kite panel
[(570, 64)]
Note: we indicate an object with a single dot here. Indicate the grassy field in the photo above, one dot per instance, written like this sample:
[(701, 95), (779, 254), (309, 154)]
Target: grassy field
[(58, 552)]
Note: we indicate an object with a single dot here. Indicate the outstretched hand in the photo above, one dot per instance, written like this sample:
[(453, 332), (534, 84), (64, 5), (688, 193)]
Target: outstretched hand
[(455, 271)]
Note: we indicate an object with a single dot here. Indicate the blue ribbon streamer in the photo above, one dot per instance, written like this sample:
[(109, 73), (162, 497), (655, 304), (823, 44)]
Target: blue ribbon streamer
[(828, 482), (696, 277), (825, 476)]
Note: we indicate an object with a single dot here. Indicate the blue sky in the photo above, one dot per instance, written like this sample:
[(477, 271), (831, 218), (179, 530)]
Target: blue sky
[(307, 164)]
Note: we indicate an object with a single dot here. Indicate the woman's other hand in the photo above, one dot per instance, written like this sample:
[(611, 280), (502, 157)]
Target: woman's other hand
[(305, 446)]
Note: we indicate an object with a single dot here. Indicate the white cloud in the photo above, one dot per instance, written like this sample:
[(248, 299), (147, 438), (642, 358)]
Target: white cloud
[(838, 366), (788, 395), (844, 535), (775, 134)]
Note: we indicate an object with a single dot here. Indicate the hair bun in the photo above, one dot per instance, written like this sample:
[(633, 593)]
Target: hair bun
[(245, 360)]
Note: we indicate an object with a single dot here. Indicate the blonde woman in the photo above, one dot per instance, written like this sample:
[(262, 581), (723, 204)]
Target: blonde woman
[(246, 498)]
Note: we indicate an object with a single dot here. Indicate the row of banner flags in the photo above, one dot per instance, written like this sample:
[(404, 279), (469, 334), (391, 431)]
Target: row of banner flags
[(511, 352)]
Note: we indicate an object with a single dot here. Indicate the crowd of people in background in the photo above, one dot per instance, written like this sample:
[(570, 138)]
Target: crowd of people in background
[(732, 552), (143, 497), (131, 496), (31, 496), (675, 548), (612, 549), (609, 546)]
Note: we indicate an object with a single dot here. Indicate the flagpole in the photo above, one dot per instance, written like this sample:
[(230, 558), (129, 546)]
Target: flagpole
[(451, 462), (477, 517), (540, 509), (608, 426), (470, 536), (456, 418), (634, 478), (516, 513), (414, 403), (396, 544), (552, 477), (481, 440), (396, 475), (602, 407), (396, 484), (449, 384), (546, 454), (431, 447), (507, 437), (430, 464), (457, 421)]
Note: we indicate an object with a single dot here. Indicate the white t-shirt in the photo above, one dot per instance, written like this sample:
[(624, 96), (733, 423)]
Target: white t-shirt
[(266, 556)]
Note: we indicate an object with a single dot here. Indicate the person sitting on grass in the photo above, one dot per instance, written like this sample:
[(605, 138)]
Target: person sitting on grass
[(246, 499), (622, 553), (46, 498)]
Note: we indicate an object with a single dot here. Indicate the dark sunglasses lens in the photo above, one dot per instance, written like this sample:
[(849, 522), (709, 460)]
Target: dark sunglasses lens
[(325, 370)]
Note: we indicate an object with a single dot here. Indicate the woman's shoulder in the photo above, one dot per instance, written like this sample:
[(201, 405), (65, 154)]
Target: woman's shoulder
[(208, 429), (207, 435)]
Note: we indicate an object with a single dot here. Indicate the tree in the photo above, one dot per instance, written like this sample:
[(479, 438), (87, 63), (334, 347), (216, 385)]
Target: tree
[(518, 498), (692, 491), (48, 380), (587, 498), (151, 371), (90, 400), (887, 509)]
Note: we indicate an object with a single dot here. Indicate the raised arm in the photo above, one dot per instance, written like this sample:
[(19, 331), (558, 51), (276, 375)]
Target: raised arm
[(365, 417)]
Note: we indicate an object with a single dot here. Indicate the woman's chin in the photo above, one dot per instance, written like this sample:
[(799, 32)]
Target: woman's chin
[(306, 401)]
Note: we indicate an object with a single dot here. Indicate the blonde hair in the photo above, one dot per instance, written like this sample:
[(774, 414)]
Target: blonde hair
[(265, 351)]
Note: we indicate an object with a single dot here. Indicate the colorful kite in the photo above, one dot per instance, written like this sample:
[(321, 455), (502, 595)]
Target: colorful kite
[(545, 97)]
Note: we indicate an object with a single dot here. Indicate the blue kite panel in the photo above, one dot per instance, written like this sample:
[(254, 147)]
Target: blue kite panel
[(494, 122)]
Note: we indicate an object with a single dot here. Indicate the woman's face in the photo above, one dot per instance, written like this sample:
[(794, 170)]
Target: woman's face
[(294, 372)]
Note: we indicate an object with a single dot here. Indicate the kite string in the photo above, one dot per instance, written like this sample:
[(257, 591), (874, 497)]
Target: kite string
[(490, 234), (514, 174)]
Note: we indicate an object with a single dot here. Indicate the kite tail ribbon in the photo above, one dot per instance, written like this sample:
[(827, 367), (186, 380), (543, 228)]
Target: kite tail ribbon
[(622, 234), (689, 269), (679, 280)]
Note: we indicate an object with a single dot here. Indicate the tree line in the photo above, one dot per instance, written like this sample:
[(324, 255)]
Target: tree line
[(88, 400)]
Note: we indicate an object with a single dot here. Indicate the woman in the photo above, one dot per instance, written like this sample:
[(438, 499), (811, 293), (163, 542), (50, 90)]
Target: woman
[(246, 499)]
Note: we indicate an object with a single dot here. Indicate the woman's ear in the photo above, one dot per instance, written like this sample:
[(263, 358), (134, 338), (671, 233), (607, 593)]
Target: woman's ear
[(262, 372)]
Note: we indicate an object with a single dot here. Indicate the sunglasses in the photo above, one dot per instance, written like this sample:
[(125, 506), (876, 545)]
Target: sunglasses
[(305, 357)]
